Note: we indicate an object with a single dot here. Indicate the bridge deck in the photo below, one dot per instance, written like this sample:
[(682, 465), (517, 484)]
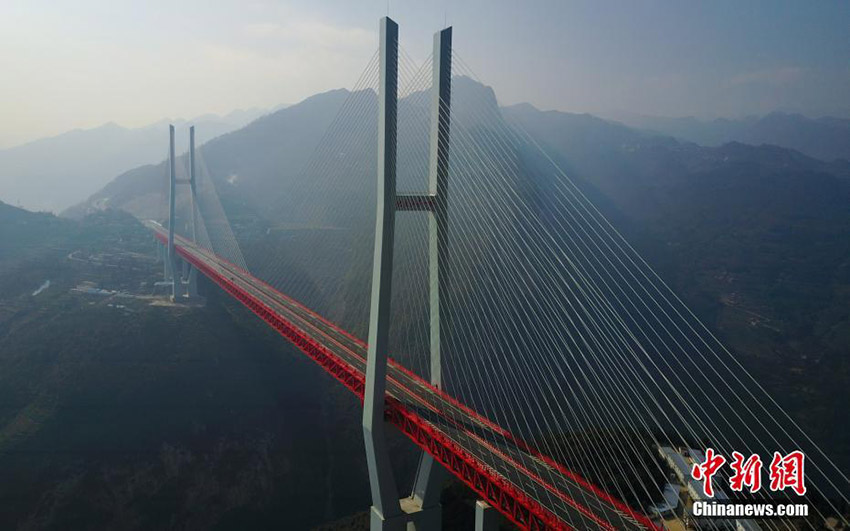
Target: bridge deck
[(530, 489)]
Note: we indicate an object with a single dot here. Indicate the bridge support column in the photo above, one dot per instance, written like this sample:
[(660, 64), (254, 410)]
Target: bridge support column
[(166, 268), (161, 255), (430, 476), (413, 517), (421, 510), (192, 283), (386, 509), (172, 260), (162, 251), (424, 503), (486, 517), (183, 276), (192, 274)]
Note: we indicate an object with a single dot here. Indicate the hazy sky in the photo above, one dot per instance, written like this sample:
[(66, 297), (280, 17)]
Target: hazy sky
[(66, 65)]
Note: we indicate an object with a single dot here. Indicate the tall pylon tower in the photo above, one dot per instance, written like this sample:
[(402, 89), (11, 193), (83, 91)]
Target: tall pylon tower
[(422, 509), (183, 276)]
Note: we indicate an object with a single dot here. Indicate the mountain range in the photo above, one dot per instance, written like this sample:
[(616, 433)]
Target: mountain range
[(826, 138), (52, 174)]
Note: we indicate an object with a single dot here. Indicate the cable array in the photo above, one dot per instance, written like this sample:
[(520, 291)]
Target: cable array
[(554, 326)]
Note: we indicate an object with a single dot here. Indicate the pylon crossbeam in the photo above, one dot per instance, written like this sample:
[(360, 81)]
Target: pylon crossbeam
[(415, 203)]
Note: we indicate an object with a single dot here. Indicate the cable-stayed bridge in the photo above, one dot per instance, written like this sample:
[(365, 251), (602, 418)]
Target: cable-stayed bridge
[(492, 314)]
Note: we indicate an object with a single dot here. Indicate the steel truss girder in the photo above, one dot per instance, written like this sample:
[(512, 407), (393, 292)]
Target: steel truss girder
[(493, 488)]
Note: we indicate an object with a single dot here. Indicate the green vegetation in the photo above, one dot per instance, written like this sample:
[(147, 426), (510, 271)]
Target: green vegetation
[(156, 416)]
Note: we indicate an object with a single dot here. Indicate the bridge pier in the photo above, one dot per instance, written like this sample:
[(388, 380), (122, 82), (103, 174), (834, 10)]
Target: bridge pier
[(192, 283), (427, 487), (162, 254), (486, 517), (421, 511), (412, 518)]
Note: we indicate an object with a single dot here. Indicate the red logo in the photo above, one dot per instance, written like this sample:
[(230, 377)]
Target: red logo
[(747, 474), (706, 470), (786, 471)]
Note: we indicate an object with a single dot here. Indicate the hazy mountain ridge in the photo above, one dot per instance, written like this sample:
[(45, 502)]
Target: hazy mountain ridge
[(826, 138), (285, 137), (55, 173)]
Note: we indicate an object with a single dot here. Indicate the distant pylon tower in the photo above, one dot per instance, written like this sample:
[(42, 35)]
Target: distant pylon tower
[(183, 276), (422, 509), (171, 255), (192, 273)]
